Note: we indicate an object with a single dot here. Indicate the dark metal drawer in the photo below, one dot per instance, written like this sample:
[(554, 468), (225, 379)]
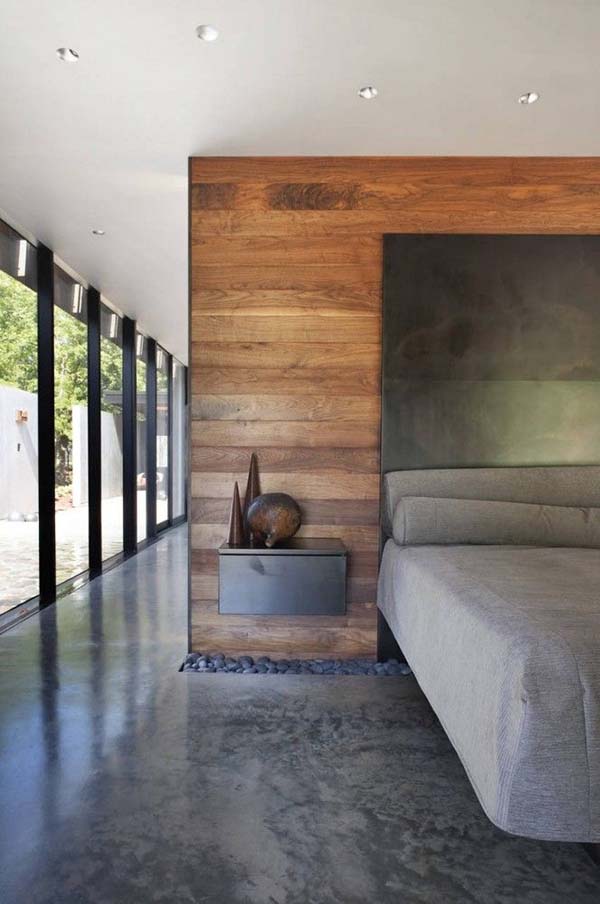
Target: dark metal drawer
[(256, 584)]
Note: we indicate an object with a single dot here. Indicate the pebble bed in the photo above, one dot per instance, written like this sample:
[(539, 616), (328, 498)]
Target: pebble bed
[(246, 665)]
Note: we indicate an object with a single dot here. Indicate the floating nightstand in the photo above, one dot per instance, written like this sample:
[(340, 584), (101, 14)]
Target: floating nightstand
[(304, 576)]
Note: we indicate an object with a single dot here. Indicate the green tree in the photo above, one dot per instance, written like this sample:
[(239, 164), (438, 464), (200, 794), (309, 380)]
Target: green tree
[(18, 334), (18, 363)]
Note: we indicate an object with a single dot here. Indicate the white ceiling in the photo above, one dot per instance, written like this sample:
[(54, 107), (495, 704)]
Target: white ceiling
[(104, 143)]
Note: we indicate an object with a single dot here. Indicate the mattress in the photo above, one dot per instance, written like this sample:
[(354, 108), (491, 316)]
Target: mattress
[(505, 643)]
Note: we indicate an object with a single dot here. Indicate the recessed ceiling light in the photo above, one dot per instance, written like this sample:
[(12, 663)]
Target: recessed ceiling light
[(529, 98), (368, 92), (207, 32), (98, 232), (67, 55)]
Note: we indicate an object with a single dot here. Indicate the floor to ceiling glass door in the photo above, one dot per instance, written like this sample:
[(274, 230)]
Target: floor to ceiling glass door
[(162, 437), (92, 430), (19, 528), (71, 426), (141, 352), (111, 430)]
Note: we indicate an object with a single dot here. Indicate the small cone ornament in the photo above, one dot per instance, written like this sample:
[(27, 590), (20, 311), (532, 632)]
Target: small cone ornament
[(236, 521), (252, 491)]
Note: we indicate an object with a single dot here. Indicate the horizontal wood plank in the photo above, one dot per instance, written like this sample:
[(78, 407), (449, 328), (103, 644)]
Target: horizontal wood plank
[(297, 277), (234, 458), (283, 641), (388, 196), (364, 409), (324, 484), (315, 434), (561, 216), (314, 511), (323, 355), (206, 612), (431, 170), (234, 253), (288, 381), (208, 328), (333, 301), (357, 538)]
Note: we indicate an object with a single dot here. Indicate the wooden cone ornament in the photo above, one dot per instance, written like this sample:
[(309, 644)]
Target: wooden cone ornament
[(252, 491), (236, 521)]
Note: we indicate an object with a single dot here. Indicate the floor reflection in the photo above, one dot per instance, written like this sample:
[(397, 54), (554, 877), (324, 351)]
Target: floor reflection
[(79, 690)]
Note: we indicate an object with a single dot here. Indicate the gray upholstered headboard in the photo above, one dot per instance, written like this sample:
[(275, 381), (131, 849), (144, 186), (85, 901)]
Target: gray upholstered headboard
[(577, 485)]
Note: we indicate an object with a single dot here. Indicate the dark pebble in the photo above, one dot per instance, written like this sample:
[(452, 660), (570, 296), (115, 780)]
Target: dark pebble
[(265, 665)]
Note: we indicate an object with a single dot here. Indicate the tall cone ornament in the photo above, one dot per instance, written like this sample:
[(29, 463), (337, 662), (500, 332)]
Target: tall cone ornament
[(252, 491), (236, 521)]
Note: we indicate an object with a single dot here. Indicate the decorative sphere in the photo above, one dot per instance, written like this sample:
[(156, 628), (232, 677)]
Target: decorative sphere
[(274, 517)]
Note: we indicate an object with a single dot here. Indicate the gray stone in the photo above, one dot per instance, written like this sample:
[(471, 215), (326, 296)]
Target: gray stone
[(392, 668), (265, 665)]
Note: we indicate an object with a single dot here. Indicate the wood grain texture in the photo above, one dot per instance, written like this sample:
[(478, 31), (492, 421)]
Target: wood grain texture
[(287, 354), (286, 261), (255, 434), (235, 458)]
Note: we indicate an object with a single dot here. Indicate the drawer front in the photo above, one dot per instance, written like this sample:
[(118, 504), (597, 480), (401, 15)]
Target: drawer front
[(282, 585)]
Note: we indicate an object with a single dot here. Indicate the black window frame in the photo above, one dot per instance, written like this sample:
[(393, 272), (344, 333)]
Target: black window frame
[(41, 278)]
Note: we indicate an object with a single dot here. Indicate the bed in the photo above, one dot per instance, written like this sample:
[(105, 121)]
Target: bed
[(496, 606)]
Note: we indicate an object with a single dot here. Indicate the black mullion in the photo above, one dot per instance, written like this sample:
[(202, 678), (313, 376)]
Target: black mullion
[(129, 439), (46, 443), (94, 434), (151, 441), (170, 439)]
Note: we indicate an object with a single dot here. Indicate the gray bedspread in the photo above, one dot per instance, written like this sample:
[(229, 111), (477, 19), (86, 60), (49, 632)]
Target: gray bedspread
[(505, 643)]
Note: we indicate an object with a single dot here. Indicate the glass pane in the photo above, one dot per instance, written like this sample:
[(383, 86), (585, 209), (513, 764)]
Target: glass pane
[(141, 386), (179, 421), (162, 436), (111, 425), (19, 566), (70, 426)]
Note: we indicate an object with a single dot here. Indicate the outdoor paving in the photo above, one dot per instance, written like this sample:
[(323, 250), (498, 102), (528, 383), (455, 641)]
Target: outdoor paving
[(19, 548)]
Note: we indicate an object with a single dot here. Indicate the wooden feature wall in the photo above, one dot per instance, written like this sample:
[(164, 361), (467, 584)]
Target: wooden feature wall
[(286, 271)]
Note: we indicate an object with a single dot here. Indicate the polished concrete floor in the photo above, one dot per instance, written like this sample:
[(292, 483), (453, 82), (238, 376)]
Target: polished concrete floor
[(123, 780)]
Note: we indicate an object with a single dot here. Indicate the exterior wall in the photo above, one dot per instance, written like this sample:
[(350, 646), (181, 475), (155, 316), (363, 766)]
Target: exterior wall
[(18, 452), (286, 284), (112, 460)]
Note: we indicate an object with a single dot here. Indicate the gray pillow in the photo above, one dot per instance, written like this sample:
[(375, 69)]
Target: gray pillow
[(422, 520)]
